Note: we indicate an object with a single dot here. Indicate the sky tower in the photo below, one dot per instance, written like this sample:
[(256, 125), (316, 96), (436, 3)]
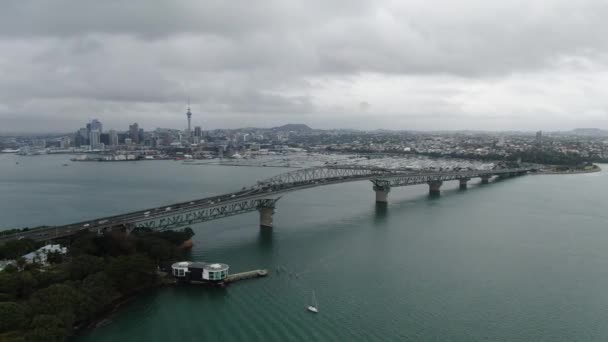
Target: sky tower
[(189, 115)]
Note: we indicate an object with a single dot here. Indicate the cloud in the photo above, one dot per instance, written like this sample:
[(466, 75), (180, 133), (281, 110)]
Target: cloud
[(360, 63)]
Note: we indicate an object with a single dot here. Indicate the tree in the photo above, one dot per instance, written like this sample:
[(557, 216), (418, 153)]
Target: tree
[(115, 243), (27, 284), (21, 263), (131, 272), (99, 290), (83, 265), (48, 328), (10, 268), (61, 300), (9, 285), (54, 258), (16, 248), (12, 316)]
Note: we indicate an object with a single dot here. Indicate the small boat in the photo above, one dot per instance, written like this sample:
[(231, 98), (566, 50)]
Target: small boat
[(314, 305)]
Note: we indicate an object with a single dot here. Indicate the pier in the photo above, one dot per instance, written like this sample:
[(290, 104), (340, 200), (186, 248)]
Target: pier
[(245, 275)]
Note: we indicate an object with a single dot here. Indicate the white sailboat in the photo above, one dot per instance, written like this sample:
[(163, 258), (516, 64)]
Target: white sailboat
[(314, 305)]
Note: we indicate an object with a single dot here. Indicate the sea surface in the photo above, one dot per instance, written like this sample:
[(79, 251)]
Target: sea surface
[(524, 259)]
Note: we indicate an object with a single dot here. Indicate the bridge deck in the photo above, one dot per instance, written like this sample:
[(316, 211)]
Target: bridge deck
[(262, 194)]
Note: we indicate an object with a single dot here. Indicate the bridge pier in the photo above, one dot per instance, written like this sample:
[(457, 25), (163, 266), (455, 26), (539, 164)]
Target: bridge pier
[(266, 214), (382, 193), (485, 179), (463, 183), (434, 187)]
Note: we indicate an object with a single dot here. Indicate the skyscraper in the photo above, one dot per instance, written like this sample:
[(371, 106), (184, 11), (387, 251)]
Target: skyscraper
[(94, 139), (113, 138), (96, 124), (104, 138), (198, 133), (134, 133), (140, 136), (81, 137)]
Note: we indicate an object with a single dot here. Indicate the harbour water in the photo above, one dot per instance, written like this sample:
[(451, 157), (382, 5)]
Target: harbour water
[(523, 259)]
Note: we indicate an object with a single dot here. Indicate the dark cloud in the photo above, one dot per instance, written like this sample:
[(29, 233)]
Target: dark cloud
[(418, 62)]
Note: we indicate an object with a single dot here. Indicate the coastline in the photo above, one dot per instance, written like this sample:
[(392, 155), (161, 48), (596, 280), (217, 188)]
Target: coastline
[(103, 318), (571, 172)]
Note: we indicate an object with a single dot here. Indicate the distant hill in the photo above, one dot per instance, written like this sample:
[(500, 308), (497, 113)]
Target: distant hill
[(293, 128), (590, 132)]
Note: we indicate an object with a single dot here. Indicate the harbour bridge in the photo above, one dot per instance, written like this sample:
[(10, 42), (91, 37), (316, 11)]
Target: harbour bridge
[(263, 196)]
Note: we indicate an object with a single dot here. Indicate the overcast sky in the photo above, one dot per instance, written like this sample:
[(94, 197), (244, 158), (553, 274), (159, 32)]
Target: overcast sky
[(402, 64)]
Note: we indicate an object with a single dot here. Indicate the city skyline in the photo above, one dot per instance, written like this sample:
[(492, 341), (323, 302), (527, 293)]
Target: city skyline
[(354, 65)]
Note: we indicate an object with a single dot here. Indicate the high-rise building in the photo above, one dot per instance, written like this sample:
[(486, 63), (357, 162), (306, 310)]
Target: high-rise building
[(140, 135), (134, 133), (94, 139), (539, 137), (166, 138), (65, 142), (81, 137), (104, 138), (96, 124), (113, 138), (198, 133)]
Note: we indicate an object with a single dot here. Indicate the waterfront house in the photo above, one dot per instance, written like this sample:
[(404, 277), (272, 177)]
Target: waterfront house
[(199, 271), (40, 256)]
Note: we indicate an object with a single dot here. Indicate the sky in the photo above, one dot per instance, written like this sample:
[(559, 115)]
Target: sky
[(359, 64)]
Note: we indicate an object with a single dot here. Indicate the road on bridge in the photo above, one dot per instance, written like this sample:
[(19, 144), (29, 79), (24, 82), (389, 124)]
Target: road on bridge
[(262, 195)]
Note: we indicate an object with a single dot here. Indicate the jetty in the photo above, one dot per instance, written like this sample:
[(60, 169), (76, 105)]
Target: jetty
[(245, 275)]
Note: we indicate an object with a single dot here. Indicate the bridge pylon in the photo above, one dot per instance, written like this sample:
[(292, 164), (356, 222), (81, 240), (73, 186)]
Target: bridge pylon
[(266, 214), (382, 188), (463, 183), (435, 187), (485, 179)]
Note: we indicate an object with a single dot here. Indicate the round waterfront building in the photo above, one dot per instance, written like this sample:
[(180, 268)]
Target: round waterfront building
[(180, 269), (215, 272), (189, 271)]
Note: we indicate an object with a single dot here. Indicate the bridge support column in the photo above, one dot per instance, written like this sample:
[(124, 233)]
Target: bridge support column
[(129, 228), (485, 179), (463, 183), (382, 193), (266, 214), (434, 187)]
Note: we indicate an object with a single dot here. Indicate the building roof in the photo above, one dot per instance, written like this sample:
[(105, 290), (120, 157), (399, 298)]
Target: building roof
[(216, 267), (202, 265)]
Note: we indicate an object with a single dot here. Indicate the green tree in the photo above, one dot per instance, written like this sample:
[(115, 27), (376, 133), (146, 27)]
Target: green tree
[(55, 258), (131, 272), (62, 300), (83, 265), (9, 285), (21, 263), (85, 243), (99, 290), (16, 248), (27, 284), (12, 316), (48, 328)]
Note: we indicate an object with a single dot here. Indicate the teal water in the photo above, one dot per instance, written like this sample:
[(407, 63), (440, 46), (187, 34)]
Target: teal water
[(523, 259)]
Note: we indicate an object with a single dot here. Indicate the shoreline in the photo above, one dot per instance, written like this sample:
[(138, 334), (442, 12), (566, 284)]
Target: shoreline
[(103, 318), (570, 172)]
